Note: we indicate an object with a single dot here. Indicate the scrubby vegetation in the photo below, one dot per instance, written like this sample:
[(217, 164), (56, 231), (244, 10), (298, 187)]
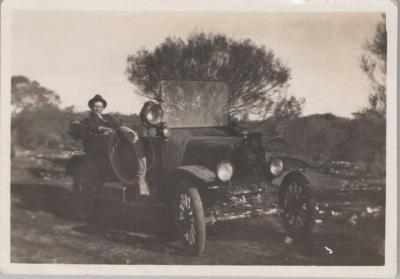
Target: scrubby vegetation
[(321, 137), (39, 123)]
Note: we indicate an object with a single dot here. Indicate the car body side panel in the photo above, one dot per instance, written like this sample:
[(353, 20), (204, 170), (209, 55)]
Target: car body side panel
[(73, 164)]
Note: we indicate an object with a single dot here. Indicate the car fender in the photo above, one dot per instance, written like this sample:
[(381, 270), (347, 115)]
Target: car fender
[(302, 175), (298, 161), (293, 174), (198, 172)]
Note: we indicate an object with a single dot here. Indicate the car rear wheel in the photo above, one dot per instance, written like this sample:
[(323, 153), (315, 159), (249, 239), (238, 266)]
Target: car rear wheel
[(296, 205), (189, 214), (83, 193)]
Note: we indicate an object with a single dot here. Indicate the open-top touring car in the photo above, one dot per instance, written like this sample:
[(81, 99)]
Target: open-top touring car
[(198, 166)]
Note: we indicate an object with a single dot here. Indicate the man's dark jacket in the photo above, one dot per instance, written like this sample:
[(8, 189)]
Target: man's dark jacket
[(96, 142), (93, 122)]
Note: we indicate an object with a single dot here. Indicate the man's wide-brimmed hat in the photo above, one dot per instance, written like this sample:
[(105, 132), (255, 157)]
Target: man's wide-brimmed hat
[(96, 98)]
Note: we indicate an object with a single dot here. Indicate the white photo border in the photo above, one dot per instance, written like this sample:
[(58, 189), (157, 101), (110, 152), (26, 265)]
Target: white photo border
[(384, 6)]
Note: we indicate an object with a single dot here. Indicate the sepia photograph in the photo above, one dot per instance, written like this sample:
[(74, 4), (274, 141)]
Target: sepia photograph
[(237, 136)]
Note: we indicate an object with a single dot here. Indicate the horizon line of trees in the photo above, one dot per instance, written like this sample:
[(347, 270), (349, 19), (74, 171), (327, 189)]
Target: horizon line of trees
[(257, 79)]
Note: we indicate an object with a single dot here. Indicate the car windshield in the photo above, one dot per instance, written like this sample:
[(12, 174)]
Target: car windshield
[(195, 103)]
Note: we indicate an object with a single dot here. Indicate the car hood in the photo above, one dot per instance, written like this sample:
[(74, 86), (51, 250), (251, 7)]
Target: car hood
[(248, 160), (209, 151)]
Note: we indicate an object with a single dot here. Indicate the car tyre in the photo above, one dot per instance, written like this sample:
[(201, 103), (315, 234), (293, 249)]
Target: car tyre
[(190, 220), (296, 206), (83, 193)]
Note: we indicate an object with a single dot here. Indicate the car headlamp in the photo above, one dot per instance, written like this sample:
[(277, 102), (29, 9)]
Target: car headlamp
[(152, 114), (276, 167), (224, 171), (166, 133)]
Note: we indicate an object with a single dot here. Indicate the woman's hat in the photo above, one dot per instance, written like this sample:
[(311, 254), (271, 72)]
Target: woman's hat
[(96, 98)]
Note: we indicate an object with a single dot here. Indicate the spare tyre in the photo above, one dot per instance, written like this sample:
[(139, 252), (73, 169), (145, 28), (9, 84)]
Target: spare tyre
[(124, 156)]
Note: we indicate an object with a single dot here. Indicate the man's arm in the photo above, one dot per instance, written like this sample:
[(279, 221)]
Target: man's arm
[(113, 121)]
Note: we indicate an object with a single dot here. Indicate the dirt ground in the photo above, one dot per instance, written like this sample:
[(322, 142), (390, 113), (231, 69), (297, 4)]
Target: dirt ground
[(349, 227)]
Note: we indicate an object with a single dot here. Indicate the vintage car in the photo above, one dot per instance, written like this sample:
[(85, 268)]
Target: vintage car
[(199, 166)]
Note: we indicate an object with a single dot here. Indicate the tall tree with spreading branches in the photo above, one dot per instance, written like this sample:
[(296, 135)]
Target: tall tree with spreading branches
[(256, 78), (373, 63)]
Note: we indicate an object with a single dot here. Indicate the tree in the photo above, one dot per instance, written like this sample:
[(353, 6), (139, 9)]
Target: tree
[(43, 126), (26, 94), (288, 107), (254, 75), (369, 125), (37, 121), (373, 63)]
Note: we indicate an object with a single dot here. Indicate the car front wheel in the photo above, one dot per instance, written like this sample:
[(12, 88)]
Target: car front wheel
[(189, 214), (296, 205)]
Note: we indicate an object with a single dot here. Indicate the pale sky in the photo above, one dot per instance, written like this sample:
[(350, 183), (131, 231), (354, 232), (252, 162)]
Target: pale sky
[(81, 53)]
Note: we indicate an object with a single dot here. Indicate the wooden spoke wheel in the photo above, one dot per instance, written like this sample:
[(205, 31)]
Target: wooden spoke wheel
[(189, 214), (296, 205)]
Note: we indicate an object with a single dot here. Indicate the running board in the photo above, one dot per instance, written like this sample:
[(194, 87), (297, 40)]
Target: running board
[(139, 204), (213, 218), (115, 192)]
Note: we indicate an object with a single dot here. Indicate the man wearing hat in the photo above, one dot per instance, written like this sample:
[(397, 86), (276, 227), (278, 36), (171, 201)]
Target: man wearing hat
[(100, 126), (97, 122)]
